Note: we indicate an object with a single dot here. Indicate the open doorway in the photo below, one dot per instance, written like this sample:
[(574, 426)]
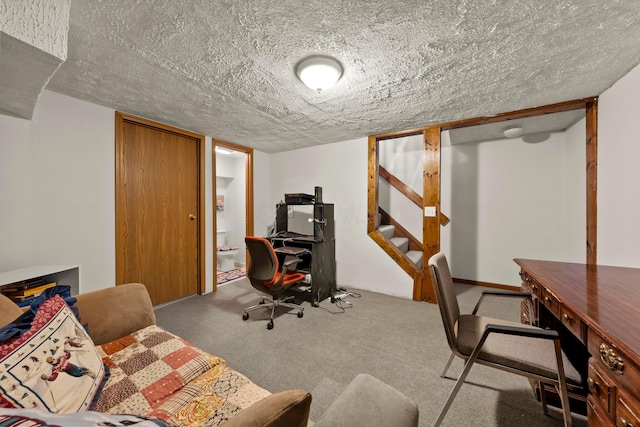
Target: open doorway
[(233, 213), (584, 128), (516, 190)]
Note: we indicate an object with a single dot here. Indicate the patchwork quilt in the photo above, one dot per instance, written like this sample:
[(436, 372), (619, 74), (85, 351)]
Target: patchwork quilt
[(157, 374)]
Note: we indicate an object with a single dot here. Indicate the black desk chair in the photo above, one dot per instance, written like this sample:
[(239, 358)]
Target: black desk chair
[(265, 275), (509, 346)]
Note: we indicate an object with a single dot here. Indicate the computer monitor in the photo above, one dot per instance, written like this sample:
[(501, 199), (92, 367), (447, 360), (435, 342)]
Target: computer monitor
[(300, 219)]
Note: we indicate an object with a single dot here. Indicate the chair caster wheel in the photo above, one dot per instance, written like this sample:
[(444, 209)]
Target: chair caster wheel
[(300, 314), (262, 302), (245, 316), (270, 324)]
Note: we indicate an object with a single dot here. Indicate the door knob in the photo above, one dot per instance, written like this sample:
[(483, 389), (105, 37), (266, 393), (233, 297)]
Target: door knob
[(192, 217)]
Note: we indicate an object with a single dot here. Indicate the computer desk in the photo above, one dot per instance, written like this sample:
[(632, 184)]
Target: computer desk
[(318, 259), (599, 307)]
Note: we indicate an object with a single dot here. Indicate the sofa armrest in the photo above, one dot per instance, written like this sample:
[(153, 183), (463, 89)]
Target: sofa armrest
[(368, 401), (9, 311), (112, 313), (288, 408)]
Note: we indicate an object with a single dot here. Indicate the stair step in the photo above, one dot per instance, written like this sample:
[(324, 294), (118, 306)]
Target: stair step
[(402, 243), (387, 230), (416, 257)]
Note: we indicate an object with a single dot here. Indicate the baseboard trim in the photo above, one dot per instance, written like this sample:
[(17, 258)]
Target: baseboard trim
[(486, 284)]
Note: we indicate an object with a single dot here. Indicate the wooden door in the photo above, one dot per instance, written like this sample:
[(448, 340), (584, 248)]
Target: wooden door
[(158, 208)]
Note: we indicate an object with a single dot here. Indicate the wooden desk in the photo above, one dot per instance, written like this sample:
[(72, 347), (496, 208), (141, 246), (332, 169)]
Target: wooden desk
[(600, 306)]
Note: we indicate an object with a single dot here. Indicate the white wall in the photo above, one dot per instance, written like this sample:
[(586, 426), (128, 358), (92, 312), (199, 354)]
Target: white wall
[(16, 213), (403, 158), (509, 199), (264, 209), (224, 177), (57, 190), (231, 183), (69, 178), (619, 173), (341, 170), (575, 194)]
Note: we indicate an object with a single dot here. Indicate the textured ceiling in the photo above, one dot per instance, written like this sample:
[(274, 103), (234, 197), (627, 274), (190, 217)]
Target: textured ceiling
[(225, 68), (533, 128)]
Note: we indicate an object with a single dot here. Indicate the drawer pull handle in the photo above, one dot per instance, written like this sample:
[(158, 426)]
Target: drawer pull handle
[(567, 318), (547, 300), (625, 423), (609, 358), (593, 386)]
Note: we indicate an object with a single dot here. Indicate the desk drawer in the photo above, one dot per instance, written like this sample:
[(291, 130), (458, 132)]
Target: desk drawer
[(573, 324), (620, 369), (551, 302), (530, 285), (627, 412), (601, 387), (596, 417)]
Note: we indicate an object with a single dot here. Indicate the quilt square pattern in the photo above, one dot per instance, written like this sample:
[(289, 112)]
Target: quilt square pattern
[(157, 374)]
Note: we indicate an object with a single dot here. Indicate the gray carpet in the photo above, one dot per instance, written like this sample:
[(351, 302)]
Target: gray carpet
[(399, 341)]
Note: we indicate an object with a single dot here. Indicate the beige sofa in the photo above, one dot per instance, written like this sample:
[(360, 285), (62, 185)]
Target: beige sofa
[(122, 312)]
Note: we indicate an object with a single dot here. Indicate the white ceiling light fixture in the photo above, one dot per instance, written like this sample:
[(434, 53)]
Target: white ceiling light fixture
[(512, 132), (319, 72)]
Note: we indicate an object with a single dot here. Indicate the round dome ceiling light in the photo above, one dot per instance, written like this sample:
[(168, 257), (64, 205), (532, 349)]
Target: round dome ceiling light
[(319, 72), (512, 132)]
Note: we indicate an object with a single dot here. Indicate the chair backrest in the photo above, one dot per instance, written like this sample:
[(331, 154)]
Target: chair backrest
[(263, 262), (446, 294)]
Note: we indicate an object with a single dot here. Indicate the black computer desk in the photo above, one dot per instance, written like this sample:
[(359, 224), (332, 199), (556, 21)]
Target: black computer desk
[(318, 260)]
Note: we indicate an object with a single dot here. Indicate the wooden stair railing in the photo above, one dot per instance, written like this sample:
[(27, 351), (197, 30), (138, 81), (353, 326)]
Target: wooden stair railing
[(385, 218), (407, 191), (396, 254), (423, 289)]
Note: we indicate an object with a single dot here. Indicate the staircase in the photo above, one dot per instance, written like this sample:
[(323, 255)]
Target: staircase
[(419, 149), (402, 243)]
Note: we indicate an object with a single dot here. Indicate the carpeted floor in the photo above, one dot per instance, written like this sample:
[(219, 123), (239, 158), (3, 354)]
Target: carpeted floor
[(394, 339)]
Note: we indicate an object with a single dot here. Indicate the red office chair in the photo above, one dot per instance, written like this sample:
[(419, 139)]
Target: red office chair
[(265, 275)]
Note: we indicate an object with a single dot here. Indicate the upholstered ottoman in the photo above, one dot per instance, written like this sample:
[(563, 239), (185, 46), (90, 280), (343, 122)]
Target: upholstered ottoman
[(367, 399)]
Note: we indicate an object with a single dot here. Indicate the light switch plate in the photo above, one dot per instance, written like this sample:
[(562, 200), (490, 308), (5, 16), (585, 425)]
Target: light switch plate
[(430, 211)]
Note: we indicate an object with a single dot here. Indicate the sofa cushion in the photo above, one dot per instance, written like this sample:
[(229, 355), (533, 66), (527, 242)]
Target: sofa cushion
[(9, 311), (288, 408), (155, 373), (53, 365)]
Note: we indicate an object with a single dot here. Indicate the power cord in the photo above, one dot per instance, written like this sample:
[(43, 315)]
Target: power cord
[(338, 298)]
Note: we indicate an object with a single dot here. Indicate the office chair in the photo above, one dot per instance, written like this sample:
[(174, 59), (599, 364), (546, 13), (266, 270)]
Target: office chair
[(265, 275), (513, 347)]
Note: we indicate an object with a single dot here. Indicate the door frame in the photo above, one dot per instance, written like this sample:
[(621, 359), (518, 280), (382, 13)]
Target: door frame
[(120, 120), (248, 195)]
